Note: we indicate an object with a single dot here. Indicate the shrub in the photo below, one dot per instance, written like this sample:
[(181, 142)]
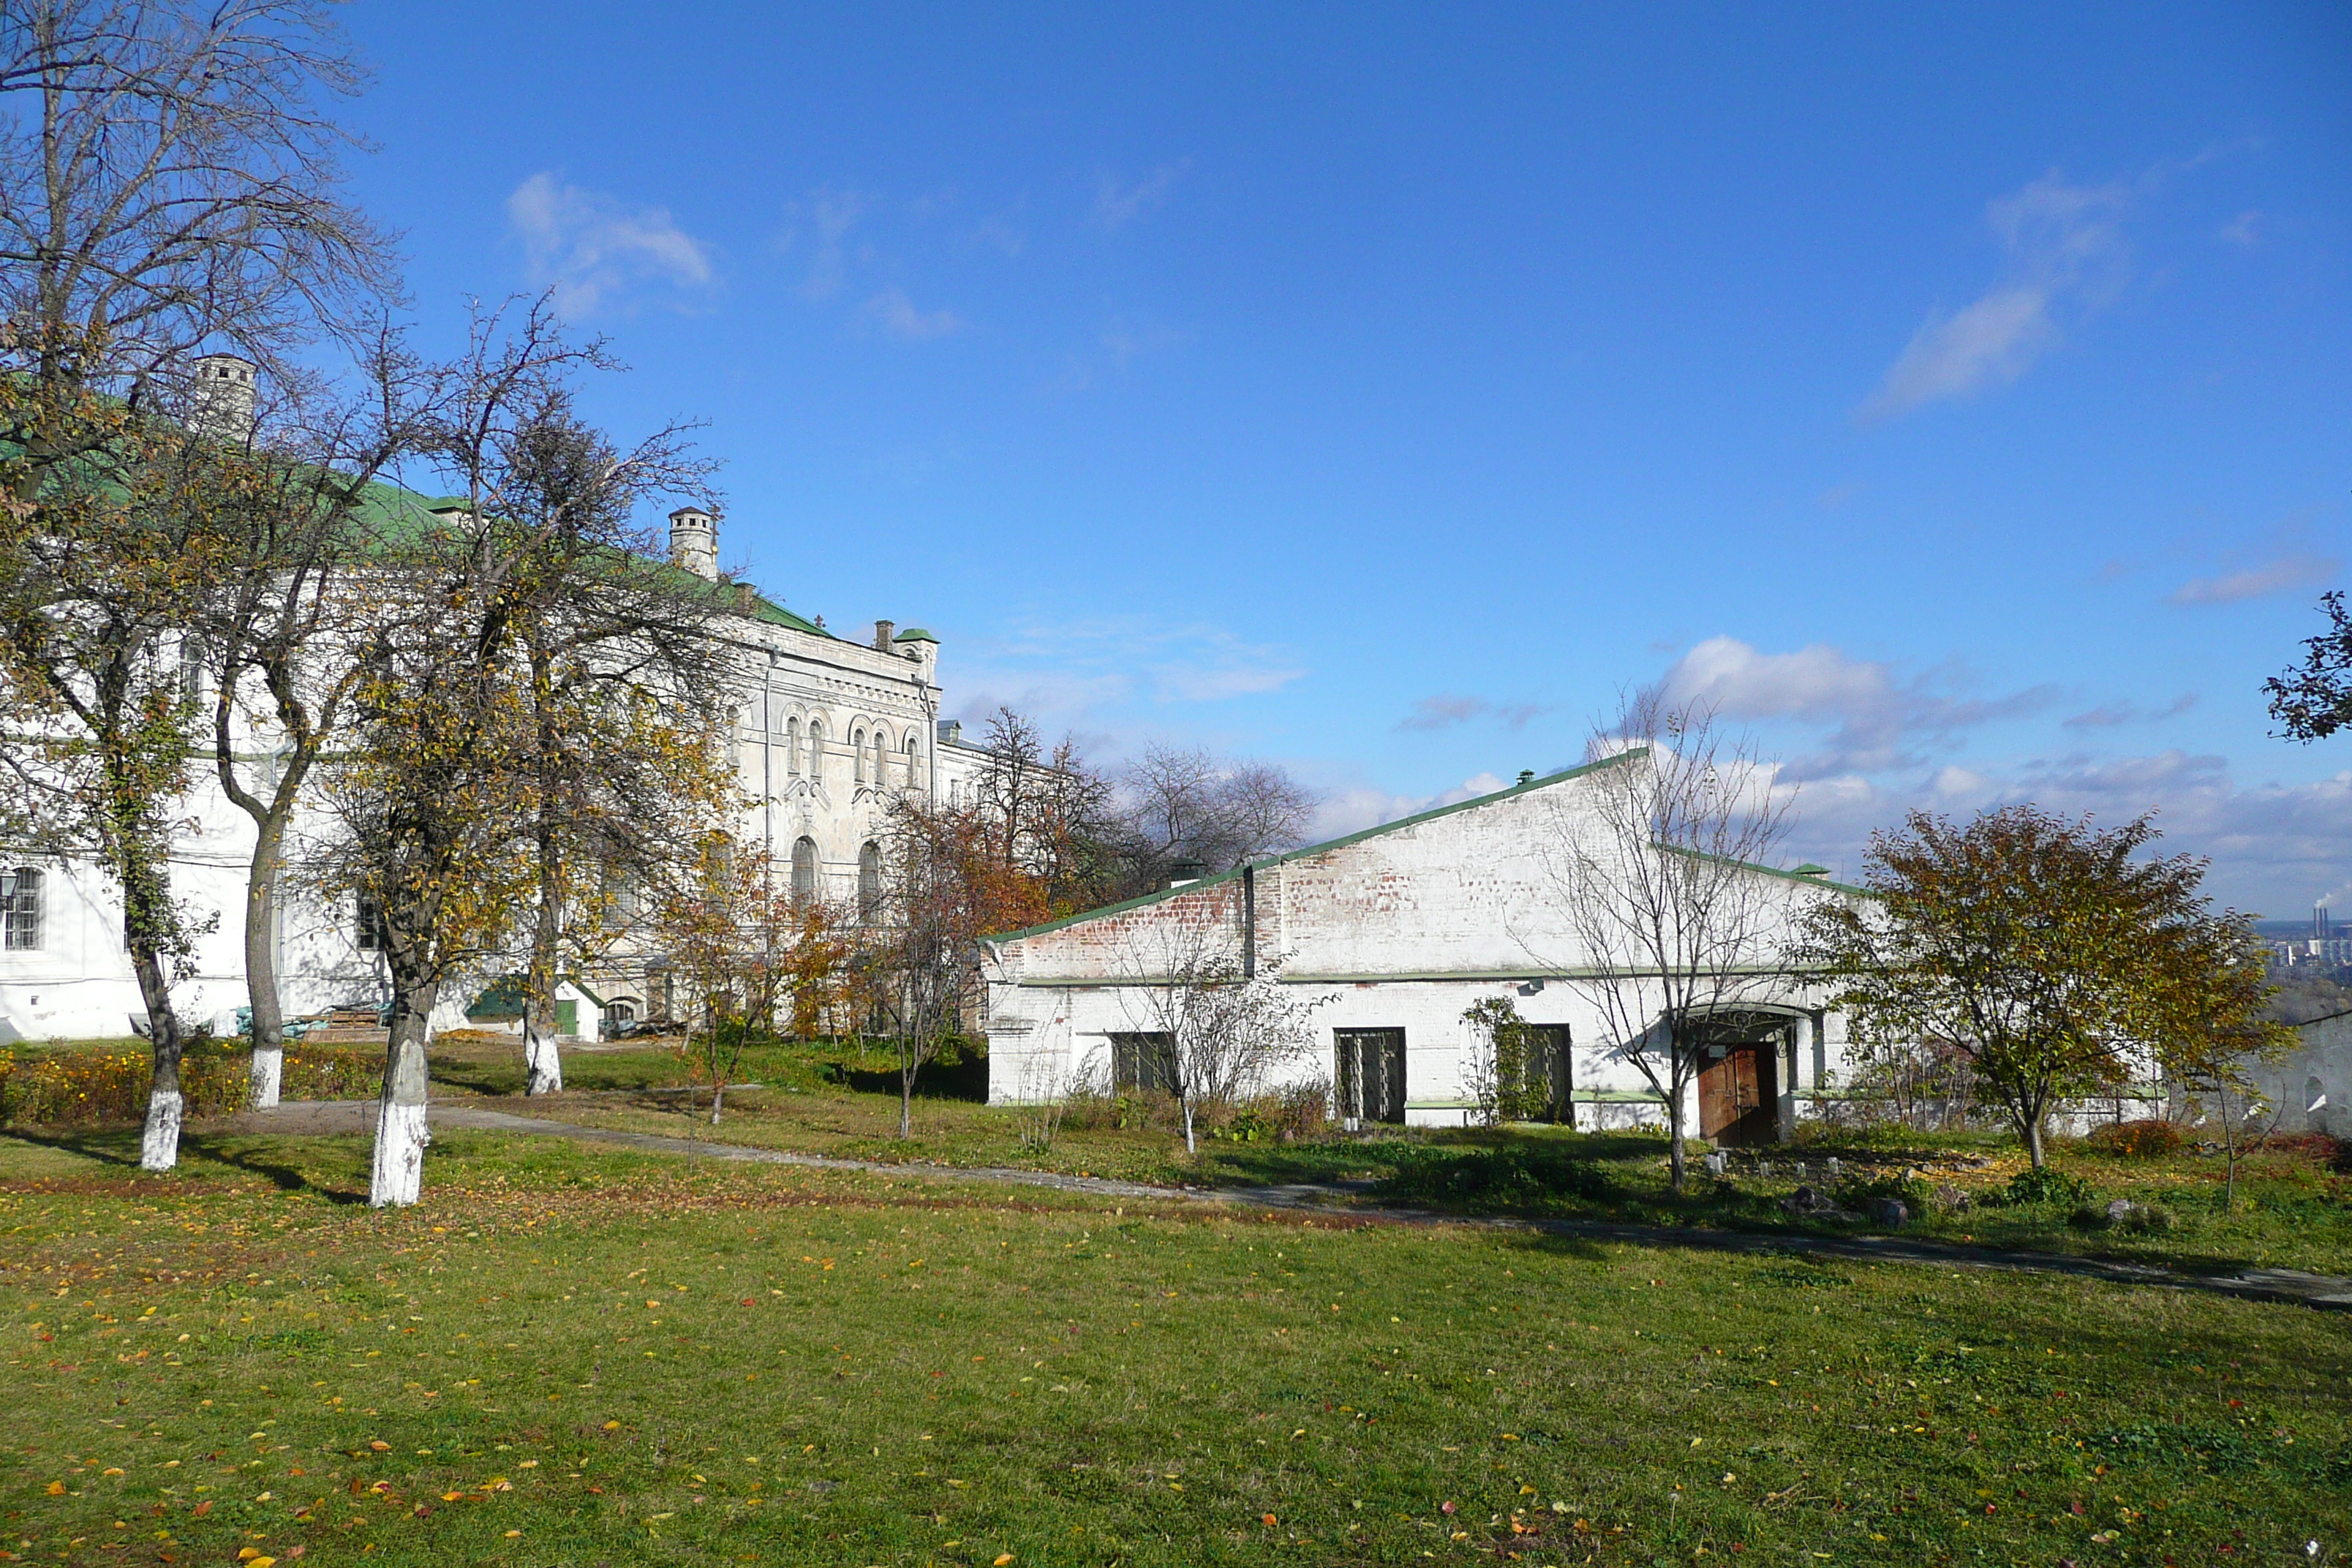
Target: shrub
[(83, 1089), (1859, 1193), (2046, 1185), (2146, 1139)]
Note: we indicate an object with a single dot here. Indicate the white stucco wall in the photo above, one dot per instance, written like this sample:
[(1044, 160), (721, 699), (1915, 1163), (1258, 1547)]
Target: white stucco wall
[(78, 983)]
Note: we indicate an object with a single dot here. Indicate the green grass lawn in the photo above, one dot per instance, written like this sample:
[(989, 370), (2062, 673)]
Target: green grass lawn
[(569, 1355), (2292, 1210)]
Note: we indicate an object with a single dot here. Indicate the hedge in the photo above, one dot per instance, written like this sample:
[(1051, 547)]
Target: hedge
[(76, 1088)]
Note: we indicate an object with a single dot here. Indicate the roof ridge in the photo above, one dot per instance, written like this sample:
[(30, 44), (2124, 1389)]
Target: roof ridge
[(1329, 844)]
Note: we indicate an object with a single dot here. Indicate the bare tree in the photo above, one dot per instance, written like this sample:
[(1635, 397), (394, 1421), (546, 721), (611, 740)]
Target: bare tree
[(1220, 1035), (731, 930), (624, 670), (1656, 864), (284, 629), (1185, 804), (438, 790), (168, 179)]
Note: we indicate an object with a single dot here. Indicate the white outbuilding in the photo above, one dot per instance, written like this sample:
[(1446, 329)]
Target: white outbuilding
[(1395, 932)]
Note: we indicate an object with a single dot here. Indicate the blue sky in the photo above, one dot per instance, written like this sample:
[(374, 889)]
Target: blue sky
[(1956, 395)]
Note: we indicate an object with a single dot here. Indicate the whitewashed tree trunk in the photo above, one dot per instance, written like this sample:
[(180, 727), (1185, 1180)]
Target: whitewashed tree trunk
[(543, 1064), (401, 1134), (269, 1075), (159, 1145)]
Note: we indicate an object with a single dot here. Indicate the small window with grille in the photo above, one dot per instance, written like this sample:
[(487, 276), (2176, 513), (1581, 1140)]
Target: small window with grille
[(1370, 1078), (21, 909), (1144, 1062)]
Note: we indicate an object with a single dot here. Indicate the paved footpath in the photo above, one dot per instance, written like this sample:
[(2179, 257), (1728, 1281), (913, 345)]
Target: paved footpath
[(1348, 1200)]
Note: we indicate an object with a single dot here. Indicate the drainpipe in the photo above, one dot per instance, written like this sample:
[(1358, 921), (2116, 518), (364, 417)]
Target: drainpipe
[(768, 755), (1249, 922)]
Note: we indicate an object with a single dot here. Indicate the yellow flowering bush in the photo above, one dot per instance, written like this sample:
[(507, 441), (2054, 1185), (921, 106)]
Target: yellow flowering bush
[(61, 1089)]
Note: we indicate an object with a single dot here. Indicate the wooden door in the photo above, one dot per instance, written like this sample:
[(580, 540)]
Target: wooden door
[(1738, 1092)]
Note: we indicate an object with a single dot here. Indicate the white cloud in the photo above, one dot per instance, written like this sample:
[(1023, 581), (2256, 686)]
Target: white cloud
[(1352, 810), (823, 223), (1880, 720), (1444, 712), (2243, 229), (1118, 204), (2302, 570), (898, 316), (590, 246), (1084, 674), (2108, 715), (2064, 245), (2275, 848)]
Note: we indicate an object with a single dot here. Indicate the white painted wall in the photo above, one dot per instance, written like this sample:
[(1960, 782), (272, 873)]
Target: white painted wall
[(78, 984), (1402, 927)]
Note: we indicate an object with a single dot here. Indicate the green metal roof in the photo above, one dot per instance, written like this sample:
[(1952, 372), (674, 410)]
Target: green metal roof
[(914, 634), (1400, 824), (1807, 874)]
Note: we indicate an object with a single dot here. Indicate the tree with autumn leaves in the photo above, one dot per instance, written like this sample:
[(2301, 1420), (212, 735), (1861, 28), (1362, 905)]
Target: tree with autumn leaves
[(2057, 957)]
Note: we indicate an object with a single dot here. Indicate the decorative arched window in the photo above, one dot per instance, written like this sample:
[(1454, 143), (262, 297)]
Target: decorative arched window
[(816, 751), (911, 779), (858, 755), (869, 883), (881, 758), (20, 910), (791, 745), (804, 870)]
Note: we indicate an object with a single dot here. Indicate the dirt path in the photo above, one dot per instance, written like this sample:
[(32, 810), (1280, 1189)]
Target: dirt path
[(2326, 1292)]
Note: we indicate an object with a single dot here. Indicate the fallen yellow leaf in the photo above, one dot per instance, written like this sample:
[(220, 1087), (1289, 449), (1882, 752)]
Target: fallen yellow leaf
[(1002, 1560)]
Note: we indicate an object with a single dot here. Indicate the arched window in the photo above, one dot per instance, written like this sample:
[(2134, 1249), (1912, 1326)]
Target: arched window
[(804, 870), (20, 910), (912, 780), (791, 745), (816, 751), (858, 755), (881, 758), (869, 883)]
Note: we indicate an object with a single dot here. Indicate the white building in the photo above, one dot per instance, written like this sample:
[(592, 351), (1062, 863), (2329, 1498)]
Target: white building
[(829, 731), (1397, 929)]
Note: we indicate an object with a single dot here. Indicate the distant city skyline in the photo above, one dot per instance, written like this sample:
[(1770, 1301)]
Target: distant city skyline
[(1958, 396)]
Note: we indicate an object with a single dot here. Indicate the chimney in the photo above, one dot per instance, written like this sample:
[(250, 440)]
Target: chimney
[(221, 405), (747, 599), (882, 630), (952, 731), (694, 541)]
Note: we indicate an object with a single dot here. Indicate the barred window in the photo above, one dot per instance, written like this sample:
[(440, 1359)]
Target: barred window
[(1144, 1061), (373, 934), (20, 911)]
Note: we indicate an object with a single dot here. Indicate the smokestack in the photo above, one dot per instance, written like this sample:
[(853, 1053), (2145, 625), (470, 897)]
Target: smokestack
[(694, 541), (882, 630), (222, 404), (747, 598)]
